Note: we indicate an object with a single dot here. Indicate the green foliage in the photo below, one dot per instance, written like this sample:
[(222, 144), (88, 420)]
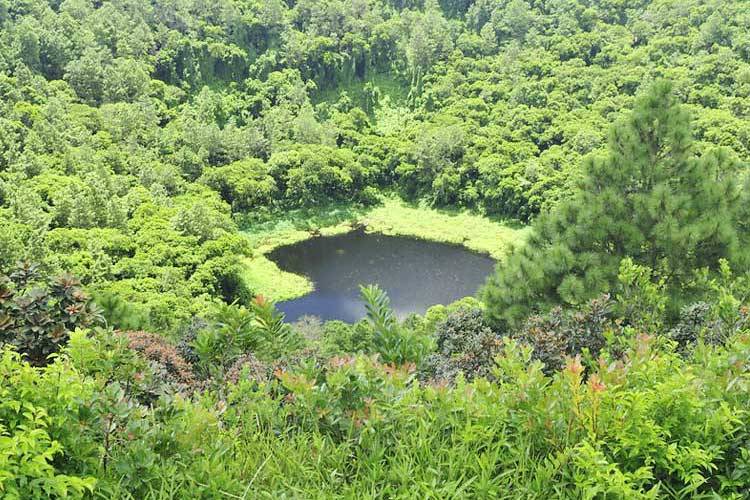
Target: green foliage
[(651, 200), (119, 314), (652, 424), (128, 140), (465, 345), (560, 334), (37, 314), (639, 299), (722, 313), (340, 338), (245, 184), (135, 137), (393, 343), (278, 336), (234, 330), (30, 432)]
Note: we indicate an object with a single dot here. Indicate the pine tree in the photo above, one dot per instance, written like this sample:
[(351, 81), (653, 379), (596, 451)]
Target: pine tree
[(651, 198)]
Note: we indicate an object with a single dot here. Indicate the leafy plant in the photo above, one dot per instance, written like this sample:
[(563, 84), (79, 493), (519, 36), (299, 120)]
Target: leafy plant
[(163, 356), (234, 330), (641, 299), (394, 344), (465, 345), (37, 315), (31, 431), (562, 333), (277, 337), (118, 313)]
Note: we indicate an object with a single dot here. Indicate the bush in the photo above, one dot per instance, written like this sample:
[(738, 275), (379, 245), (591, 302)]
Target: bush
[(234, 330), (37, 314), (185, 344), (248, 367), (344, 396), (563, 333), (244, 184), (699, 322), (164, 357), (118, 313), (310, 328), (37, 436), (340, 337), (465, 345), (393, 343)]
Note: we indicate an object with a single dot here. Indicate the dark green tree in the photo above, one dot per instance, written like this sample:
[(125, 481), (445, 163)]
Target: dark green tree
[(651, 198)]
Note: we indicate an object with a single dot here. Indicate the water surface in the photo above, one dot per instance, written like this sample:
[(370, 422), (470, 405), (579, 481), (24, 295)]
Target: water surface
[(416, 274)]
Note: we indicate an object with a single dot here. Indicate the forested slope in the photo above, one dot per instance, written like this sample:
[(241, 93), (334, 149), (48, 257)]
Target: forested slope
[(132, 131), (147, 148)]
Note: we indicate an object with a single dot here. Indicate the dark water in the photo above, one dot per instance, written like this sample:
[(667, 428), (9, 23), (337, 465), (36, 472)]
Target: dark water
[(416, 274)]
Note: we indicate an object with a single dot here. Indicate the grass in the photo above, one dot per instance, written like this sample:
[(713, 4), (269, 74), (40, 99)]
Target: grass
[(459, 227), (265, 277), (393, 217)]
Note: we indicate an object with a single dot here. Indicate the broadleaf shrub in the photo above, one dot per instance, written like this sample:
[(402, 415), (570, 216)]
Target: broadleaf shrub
[(465, 345), (164, 356), (37, 314), (38, 411), (393, 343), (561, 333)]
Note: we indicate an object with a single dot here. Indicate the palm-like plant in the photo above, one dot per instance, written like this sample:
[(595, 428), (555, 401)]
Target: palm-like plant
[(394, 344), (278, 337), (237, 330)]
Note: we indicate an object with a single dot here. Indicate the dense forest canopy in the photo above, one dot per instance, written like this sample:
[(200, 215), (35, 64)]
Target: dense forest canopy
[(598, 150), (133, 131)]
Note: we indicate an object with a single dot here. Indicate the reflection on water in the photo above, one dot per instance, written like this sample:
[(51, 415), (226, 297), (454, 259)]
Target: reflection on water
[(416, 274)]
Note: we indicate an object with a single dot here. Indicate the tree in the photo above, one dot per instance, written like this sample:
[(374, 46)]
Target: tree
[(650, 199), (244, 184)]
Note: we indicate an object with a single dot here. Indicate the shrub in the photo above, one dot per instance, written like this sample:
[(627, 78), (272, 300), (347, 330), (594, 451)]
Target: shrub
[(340, 337), (699, 322), (234, 330), (118, 313), (37, 422), (561, 333), (37, 314), (277, 337), (164, 357), (185, 344), (248, 367), (369, 196), (641, 302), (393, 343), (309, 328), (244, 184), (465, 345), (345, 396)]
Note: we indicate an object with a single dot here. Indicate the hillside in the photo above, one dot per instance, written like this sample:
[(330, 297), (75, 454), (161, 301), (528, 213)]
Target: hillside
[(153, 153)]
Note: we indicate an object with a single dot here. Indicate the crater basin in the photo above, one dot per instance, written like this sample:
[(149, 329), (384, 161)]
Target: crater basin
[(416, 274)]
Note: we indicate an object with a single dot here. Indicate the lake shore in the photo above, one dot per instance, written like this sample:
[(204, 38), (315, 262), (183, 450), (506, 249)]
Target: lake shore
[(393, 217)]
